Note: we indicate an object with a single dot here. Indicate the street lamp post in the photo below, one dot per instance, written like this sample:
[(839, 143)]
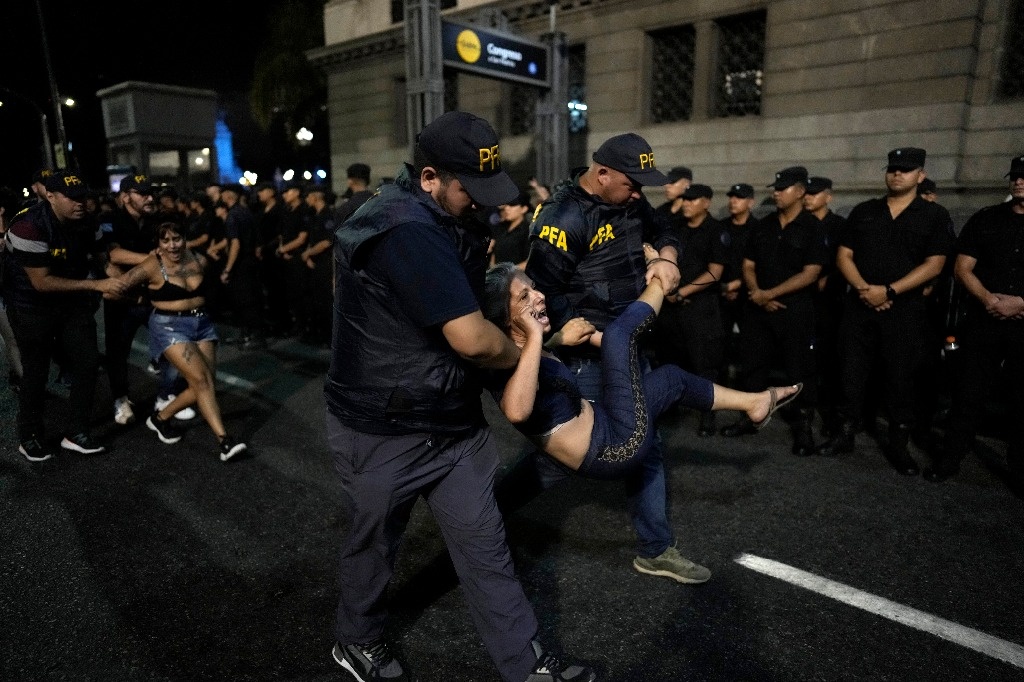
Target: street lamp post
[(45, 128), (61, 135)]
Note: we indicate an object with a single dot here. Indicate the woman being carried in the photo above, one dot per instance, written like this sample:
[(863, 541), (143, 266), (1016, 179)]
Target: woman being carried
[(183, 332), (606, 439)]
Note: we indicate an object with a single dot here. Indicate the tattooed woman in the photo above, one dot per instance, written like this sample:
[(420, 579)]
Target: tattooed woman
[(181, 330)]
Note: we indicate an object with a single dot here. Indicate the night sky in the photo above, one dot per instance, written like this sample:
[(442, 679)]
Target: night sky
[(95, 45)]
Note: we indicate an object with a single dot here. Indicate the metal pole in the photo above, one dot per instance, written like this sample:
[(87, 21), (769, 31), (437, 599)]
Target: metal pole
[(54, 95), (424, 76), (552, 115)]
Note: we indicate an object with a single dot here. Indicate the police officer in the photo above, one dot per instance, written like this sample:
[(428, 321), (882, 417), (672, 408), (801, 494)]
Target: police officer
[(689, 328), (587, 257), (781, 266), (52, 301), (240, 275), (295, 223), (891, 249), (990, 266), (404, 417), (130, 236), (733, 294), (679, 178), (828, 300)]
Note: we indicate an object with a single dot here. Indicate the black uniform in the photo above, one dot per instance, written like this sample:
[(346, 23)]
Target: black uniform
[(295, 221), (991, 348), (828, 308), (884, 250), (689, 331), (780, 253), (45, 322), (732, 311)]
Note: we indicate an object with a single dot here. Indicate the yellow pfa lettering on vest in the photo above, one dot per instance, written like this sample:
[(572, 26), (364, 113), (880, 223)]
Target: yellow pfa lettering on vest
[(490, 156), (647, 161), (555, 237), (603, 235)]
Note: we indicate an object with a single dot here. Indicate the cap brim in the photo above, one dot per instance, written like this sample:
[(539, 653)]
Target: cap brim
[(782, 184), (902, 167), (493, 190), (648, 178)]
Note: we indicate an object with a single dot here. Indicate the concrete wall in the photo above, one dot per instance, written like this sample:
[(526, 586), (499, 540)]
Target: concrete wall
[(845, 81)]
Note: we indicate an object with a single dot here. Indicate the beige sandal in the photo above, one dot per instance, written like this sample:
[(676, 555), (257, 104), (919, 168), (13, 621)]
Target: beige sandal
[(776, 403)]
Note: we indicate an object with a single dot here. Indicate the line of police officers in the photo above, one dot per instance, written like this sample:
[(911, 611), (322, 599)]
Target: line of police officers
[(854, 308)]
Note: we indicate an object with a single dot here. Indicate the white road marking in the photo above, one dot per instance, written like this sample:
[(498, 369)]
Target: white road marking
[(952, 632)]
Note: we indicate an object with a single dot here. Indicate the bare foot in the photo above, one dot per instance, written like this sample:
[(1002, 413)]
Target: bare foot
[(650, 253), (771, 400)]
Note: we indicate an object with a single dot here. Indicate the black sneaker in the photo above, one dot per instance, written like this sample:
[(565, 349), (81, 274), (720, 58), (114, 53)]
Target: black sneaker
[(33, 451), (550, 669), (229, 447), (368, 662), (82, 444), (165, 429)]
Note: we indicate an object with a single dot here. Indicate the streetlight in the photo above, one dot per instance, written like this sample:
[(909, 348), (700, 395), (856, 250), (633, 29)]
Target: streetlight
[(47, 147)]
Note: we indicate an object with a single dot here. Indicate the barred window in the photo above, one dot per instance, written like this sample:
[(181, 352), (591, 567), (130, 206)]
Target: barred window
[(740, 64), (522, 110), (1011, 77), (672, 74), (577, 89)]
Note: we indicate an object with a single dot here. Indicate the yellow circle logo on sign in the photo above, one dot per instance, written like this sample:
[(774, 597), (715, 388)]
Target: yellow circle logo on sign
[(468, 46)]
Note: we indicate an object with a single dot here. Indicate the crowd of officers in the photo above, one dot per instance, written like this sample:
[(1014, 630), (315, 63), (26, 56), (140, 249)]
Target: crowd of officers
[(269, 256), (857, 308)]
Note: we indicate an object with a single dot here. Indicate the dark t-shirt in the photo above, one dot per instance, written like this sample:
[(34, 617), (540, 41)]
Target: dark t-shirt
[(514, 246), (994, 236), (780, 253), (425, 273), (699, 247), (884, 250)]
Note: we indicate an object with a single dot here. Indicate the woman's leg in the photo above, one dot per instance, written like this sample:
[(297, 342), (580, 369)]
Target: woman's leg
[(194, 365)]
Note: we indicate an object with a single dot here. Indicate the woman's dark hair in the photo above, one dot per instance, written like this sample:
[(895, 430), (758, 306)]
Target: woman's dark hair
[(169, 226), (497, 286)]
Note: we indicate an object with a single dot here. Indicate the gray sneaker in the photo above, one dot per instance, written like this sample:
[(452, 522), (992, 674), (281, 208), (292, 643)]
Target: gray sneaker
[(671, 564)]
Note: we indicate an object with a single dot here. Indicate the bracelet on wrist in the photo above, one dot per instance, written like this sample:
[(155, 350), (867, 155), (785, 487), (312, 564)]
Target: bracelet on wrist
[(665, 260)]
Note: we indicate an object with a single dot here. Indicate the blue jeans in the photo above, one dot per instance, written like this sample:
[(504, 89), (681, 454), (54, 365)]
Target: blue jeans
[(646, 491), (632, 399)]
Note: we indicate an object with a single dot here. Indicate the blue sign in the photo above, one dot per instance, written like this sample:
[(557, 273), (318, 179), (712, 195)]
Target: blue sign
[(495, 54)]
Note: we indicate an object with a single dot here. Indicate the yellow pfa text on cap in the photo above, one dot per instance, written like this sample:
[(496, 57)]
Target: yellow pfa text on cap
[(490, 155)]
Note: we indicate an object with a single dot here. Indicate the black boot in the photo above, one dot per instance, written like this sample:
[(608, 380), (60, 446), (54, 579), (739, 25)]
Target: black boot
[(707, 424), (803, 437), (948, 458), (839, 444), (744, 427), (896, 450)]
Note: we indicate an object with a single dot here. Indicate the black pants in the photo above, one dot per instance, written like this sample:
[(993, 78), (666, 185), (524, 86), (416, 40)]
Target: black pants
[(782, 338), (246, 297), (892, 338), (121, 322), (41, 332), (689, 334), (990, 350)]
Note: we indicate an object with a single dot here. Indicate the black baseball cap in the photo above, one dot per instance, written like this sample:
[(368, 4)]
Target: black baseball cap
[(294, 184), (697, 192), (631, 155), (677, 173), (68, 183), (790, 176), (136, 182), (41, 175), (234, 187), (906, 158), (927, 186), (467, 146), (1016, 167), (522, 199), (741, 190), (817, 184)]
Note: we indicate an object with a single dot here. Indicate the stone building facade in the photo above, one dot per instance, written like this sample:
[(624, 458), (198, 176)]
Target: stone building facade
[(734, 89)]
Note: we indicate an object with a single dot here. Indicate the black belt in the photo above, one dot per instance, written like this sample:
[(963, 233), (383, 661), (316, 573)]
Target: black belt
[(195, 312)]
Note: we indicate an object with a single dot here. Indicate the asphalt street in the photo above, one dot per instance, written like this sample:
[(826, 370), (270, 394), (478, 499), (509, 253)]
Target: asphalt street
[(157, 562)]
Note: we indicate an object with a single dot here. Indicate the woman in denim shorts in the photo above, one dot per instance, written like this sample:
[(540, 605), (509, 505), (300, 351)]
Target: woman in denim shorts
[(181, 330)]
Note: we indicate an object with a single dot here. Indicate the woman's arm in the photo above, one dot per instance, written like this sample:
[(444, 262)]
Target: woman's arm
[(520, 392), (140, 274)]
